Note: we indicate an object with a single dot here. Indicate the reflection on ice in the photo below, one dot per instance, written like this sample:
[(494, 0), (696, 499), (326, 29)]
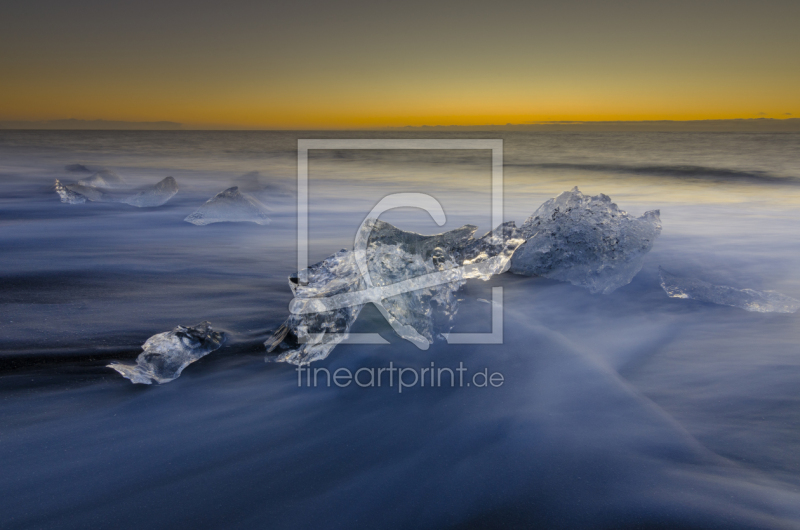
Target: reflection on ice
[(230, 206), (492, 253), (748, 299), (166, 355)]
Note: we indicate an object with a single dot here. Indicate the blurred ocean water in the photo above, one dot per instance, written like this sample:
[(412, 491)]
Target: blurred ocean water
[(623, 410)]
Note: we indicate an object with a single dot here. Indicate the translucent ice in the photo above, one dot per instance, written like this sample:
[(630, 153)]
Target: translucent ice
[(413, 279), (418, 312), (230, 206), (166, 355), (748, 299), (153, 196), (395, 256), (69, 194), (105, 186), (310, 337), (492, 253), (587, 241)]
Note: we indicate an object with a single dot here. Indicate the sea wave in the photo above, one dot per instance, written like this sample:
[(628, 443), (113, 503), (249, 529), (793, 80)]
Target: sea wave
[(675, 171)]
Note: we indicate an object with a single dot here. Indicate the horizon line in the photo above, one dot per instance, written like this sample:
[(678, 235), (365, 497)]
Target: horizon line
[(713, 124)]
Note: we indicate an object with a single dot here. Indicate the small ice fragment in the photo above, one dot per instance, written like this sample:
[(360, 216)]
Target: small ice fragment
[(67, 195), (747, 299), (231, 206), (587, 241), (153, 196), (484, 301), (166, 355)]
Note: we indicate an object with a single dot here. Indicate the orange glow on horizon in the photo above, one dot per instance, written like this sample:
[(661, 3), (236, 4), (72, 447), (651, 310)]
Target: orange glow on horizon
[(390, 66)]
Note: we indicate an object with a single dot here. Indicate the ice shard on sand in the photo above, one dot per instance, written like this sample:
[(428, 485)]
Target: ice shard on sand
[(166, 355), (587, 241)]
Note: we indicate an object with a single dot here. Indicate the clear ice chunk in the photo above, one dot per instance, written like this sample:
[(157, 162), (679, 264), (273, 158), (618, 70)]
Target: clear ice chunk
[(230, 206), (747, 299), (104, 186), (587, 241), (69, 195), (166, 355), (492, 253), (393, 256), (310, 337), (413, 279), (153, 196)]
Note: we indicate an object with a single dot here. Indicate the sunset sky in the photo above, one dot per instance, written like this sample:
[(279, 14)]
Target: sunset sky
[(257, 64)]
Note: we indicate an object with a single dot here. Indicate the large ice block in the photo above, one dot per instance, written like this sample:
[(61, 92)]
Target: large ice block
[(413, 278), (587, 241)]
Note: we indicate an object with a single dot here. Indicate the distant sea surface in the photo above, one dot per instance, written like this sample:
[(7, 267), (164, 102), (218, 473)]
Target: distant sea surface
[(628, 410)]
